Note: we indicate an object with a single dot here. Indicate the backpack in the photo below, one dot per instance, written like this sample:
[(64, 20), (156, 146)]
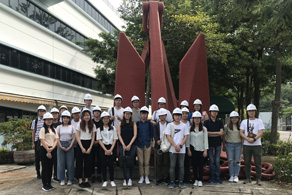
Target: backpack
[(165, 144)]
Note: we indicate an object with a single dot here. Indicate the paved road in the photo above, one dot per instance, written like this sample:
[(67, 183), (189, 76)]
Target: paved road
[(285, 135)]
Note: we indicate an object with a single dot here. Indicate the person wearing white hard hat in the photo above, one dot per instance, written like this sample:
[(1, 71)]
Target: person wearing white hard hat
[(107, 137), (198, 106), (232, 144), (116, 112), (49, 140), (61, 110), (144, 139), (36, 126), (162, 158), (177, 134), (75, 117), (96, 147), (215, 131), (65, 150), (136, 110), (251, 130), (161, 104), (197, 146), (56, 123), (88, 101), (127, 133), (85, 135)]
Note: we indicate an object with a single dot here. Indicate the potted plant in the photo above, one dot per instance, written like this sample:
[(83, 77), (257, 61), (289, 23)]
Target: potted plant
[(17, 135)]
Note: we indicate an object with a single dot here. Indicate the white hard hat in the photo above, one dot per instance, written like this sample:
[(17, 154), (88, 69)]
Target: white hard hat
[(197, 114), (66, 113), (48, 116), (177, 111), (214, 107), (251, 107), (184, 103), (144, 109), (162, 111), (42, 107), (118, 96), (86, 109), (128, 109), (234, 114), (87, 97), (197, 101), (135, 98), (185, 110), (103, 114), (63, 106), (54, 110), (75, 110), (96, 108), (161, 100)]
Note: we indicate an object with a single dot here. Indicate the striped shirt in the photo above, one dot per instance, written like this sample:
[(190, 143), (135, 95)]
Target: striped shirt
[(40, 124)]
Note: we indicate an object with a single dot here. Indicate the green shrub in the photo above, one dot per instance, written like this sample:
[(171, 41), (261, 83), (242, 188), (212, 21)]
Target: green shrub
[(283, 168), (267, 136), (281, 148), (6, 157)]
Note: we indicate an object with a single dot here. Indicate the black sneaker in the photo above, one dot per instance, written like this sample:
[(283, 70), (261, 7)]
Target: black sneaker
[(87, 185), (55, 179), (82, 185), (45, 188), (158, 182), (247, 181), (51, 187), (259, 183)]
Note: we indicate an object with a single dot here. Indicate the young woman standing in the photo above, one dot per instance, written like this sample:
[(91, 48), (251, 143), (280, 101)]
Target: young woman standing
[(49, 140), (107, 137), (85, 134), (197, 146), (65, 151)]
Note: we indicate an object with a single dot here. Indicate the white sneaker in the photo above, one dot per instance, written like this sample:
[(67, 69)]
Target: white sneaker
[(104, 184), (231, 179), (113, 184), (129, 182), (125, 183), (69, 183), (200, 183), (141, 180), (196, 183), (147, 180), (235, 179), (62, 183)]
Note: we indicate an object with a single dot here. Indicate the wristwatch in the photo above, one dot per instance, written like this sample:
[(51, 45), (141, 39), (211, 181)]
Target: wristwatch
[(180, 146), (254, 139)]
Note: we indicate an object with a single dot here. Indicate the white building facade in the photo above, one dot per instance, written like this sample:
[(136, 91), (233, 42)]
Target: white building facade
[(40, 62)]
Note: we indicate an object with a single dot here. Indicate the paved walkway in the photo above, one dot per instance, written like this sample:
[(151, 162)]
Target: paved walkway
[(22, 181)]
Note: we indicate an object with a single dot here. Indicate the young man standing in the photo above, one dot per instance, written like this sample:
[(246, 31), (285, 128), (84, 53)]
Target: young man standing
[(215, 131), (116, 112), (61, 110), (162, 158), (136, 110), (76, 117), (177, 135), (144, 138), (88, 102), (161, 104), (36, 126), (251, 130)]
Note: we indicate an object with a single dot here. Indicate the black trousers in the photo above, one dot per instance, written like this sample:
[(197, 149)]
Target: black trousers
[(37, 155), (55, 164), (107, 161), (47, 166), (83, 161), (197, 163), (187, 175), (96, 159)]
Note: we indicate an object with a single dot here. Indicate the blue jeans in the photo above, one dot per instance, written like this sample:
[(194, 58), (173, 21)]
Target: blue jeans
[(233, 151), (214, 161), (65, 160), (130, 153)]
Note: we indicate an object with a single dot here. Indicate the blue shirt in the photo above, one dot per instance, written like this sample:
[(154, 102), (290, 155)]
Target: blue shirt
[(144, 133)]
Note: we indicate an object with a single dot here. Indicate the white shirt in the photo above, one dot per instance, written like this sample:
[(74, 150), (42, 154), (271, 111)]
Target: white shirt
[(254, 126), (162, 128), (75, 124), (107, 136), (85, 135), (66, 132), (119, 113), (155, 116), (180, 131)]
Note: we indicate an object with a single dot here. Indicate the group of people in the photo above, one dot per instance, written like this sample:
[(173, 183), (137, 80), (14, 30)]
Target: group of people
[(73, 143)]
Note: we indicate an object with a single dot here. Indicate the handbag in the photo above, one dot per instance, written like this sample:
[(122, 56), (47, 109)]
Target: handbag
[(126, 161)]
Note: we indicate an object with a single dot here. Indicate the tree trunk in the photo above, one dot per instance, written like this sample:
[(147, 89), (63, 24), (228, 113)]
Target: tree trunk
[(276, 102), (257, 92), (241, 103), (247, 93)]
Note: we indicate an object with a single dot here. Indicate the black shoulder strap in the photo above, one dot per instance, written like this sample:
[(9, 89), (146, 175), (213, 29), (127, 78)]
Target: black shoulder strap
[(247, 125), (35, 124), (113, 111)]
